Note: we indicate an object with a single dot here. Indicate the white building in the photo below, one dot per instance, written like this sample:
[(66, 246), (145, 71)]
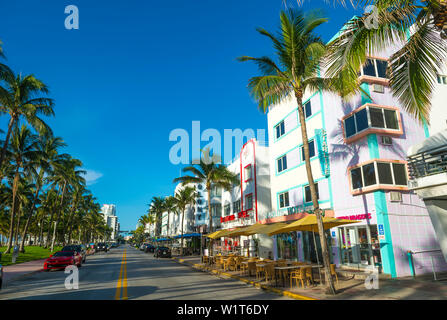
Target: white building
[(110, 218)]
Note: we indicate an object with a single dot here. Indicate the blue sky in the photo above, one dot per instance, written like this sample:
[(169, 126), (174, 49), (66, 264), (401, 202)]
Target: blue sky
[(137, 69)]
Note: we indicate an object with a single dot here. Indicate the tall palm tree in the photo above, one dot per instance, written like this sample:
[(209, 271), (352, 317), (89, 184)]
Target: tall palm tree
[(412, 69), (169, 207), (206, 170), (23, 153), (66, 174), (157, 207), (23, 97), (184, 198), (299, 52)]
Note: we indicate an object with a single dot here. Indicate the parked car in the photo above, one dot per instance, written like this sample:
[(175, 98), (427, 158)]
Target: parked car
[(61, 259), (1, 276), (101, 246), (149, 248), (114, 245), (162, 252), (78, 248)]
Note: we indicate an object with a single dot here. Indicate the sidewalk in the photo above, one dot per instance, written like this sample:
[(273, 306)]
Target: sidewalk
[(421, 288), (16, 271)]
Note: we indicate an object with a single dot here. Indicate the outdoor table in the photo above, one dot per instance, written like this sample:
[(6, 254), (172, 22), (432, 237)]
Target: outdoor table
[(284, 268), (260, 265)]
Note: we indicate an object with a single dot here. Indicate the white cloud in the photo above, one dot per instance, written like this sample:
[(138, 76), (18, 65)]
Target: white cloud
[(92, 176)]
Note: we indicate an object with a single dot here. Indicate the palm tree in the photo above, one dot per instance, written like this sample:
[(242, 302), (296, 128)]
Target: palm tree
[(206, 171), (412, 70), (23, 152), (299, 52), (169, 207), (157, 207), (48, 146), (66, 174), (21, 97), (184, 198)]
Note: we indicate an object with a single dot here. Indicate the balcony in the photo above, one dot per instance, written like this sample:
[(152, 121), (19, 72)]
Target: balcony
[(427, 166)]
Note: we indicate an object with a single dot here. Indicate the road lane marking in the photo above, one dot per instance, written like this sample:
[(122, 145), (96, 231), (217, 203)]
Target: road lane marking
[(122, 280)]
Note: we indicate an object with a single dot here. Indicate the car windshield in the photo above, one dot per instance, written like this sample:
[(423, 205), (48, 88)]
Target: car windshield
[(63, 254), (71, 248)]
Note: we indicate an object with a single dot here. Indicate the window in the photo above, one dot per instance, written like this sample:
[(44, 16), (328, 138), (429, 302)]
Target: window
[(248, 201), (216, 210), (307, 110), (375, 68), (311, 150), (284, 199), (237, 206), (248, 175), (371, 117), (307, 195), (282, 163), (279, 129), (442, 79), (227, 209), (379, 172)]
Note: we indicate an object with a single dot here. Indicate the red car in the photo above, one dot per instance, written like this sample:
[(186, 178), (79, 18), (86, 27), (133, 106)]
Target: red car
[(61, 259)]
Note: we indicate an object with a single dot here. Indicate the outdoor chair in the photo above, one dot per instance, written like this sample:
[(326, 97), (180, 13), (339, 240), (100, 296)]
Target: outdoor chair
[(269, 271), (230, 264), (238, 262), (309, 275), (300, 275), (205, 260), (219, 262), (251, 268), (333, 272)]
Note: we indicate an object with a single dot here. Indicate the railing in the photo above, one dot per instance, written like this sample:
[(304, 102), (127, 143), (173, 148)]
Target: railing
[(427, 163), (411, 254)]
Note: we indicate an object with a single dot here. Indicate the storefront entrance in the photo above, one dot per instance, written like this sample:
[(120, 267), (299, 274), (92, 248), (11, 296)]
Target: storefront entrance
[(359, 246)]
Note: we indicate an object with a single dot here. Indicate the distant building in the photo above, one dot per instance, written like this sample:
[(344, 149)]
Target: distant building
[(109, 212)]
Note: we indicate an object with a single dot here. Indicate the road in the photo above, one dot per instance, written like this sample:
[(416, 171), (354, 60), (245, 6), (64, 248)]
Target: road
[(126, 273)]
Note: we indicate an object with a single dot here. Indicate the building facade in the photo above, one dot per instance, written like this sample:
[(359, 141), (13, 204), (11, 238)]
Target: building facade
[(111, 219), (358, 159)]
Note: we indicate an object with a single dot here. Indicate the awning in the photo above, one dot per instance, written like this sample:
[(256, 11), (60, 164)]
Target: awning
[(436, 141), (309, 223), (219, 234), (188, 235)]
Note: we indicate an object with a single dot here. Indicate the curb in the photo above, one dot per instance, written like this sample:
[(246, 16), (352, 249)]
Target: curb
[(5, 283), (253, 283)]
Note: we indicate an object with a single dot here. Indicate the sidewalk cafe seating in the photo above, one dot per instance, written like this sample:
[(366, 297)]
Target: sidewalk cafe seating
[(230, 264), (238, 262), (205, 259), (300, 275), (219, 262), (251, 267), (333, 272), (269, 271), (309, 275)]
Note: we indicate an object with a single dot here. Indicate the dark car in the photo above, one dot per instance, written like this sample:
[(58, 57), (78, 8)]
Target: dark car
[(80, 248), (61, 259), (101, 246), (149, 248), (162, 252)]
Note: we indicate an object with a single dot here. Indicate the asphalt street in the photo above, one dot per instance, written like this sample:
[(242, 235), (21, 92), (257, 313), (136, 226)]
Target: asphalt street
[(127, 273)]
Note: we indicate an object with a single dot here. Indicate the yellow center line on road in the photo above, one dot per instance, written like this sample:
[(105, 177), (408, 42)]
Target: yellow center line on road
[(122, 280)]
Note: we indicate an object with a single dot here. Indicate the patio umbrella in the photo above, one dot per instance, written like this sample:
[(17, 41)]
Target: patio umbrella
[(218, 234), (309, 223), (268, 228)]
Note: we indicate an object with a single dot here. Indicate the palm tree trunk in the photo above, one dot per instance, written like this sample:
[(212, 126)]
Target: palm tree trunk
[(13, 211), (210, 243), (41, 230), (33, 207), (5, 144), (69, 223), (58, 216), (17, 231), (183, 220), (313, 193)]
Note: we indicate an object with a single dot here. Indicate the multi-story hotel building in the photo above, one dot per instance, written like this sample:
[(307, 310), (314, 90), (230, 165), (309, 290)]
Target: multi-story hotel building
[(358, 158)]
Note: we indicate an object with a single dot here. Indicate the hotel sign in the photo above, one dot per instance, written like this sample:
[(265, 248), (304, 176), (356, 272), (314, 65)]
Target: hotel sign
[(366, 216)]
